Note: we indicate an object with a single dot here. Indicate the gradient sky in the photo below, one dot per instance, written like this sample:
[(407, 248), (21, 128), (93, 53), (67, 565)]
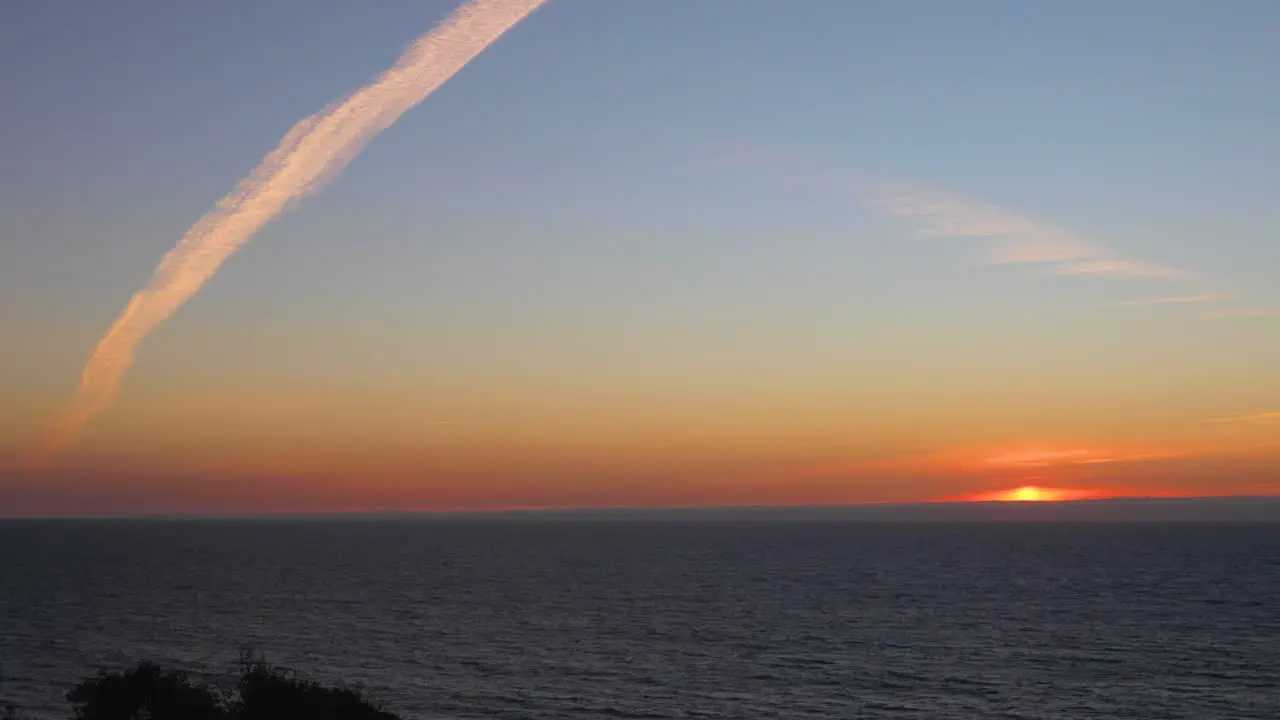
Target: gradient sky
[(655, 253)]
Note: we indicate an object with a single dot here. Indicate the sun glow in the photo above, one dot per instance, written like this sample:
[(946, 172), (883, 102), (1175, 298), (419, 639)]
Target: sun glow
[(1030, 493), (1034, 493)]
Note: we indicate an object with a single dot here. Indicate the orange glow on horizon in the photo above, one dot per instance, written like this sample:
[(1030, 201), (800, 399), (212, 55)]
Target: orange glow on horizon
[(470, 466), (1036, 493)]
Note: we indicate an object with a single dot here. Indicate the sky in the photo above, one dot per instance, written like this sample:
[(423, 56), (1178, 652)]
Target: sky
[(653, 253)]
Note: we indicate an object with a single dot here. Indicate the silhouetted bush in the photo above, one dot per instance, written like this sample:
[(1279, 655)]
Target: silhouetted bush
[(264, 692), (268, 693), (146, 691)]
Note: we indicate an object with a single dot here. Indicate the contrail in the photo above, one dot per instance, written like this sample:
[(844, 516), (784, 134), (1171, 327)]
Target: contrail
[(312, 152)]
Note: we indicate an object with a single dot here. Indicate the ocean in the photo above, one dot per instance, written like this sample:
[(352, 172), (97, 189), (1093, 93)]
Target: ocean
[(711, 618)]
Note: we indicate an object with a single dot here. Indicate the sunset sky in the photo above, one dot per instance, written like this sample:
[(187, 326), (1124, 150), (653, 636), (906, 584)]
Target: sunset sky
[(654, 253)]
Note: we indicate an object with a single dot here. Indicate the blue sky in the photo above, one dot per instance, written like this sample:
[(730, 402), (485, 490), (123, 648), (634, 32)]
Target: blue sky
[(564, 200), (1137, 118)]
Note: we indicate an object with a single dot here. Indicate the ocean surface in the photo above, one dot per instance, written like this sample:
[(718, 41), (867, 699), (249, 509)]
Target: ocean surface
[(674, 619)]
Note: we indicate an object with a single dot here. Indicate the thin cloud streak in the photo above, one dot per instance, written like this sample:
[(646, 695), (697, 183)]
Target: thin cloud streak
[(1119, 269), (1018, 240), (1011, 239), (1014, 239), (315, 150), (1245, 313), (1180, 300), (1256, 418)]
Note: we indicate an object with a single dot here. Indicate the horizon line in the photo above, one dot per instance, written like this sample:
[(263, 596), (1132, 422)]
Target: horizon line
[(517, 512)]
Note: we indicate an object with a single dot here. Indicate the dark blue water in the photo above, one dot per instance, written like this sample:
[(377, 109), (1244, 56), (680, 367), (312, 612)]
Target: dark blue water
[(667, 620)]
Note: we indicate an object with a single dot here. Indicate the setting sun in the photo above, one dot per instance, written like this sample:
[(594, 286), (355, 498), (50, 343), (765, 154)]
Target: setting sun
[(1033, 493)]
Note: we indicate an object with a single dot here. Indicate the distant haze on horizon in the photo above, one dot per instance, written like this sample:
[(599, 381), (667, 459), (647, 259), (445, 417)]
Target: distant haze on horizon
[(654, 255), (1224, 509)]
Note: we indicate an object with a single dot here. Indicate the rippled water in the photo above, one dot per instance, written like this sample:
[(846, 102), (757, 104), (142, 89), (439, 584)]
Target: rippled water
[(667, 619)]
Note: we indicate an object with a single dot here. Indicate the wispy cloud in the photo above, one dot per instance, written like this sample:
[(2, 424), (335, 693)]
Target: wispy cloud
[(1245, 312), (1015, 457), (1009, 238), (1120, 269), (1272, 416), (1048, 458), (1012, 238), (1178, 300), (312, 152)]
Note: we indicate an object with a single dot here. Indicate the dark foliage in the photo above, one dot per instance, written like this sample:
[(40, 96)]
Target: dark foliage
[(267, 693), (146, 691), (264, 692)]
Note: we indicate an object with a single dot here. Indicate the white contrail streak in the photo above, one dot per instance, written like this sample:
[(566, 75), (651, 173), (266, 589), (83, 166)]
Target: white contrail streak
[(313, 151)]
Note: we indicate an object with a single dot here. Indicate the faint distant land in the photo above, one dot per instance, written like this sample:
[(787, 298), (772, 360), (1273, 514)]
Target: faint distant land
[(1249, 509)]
